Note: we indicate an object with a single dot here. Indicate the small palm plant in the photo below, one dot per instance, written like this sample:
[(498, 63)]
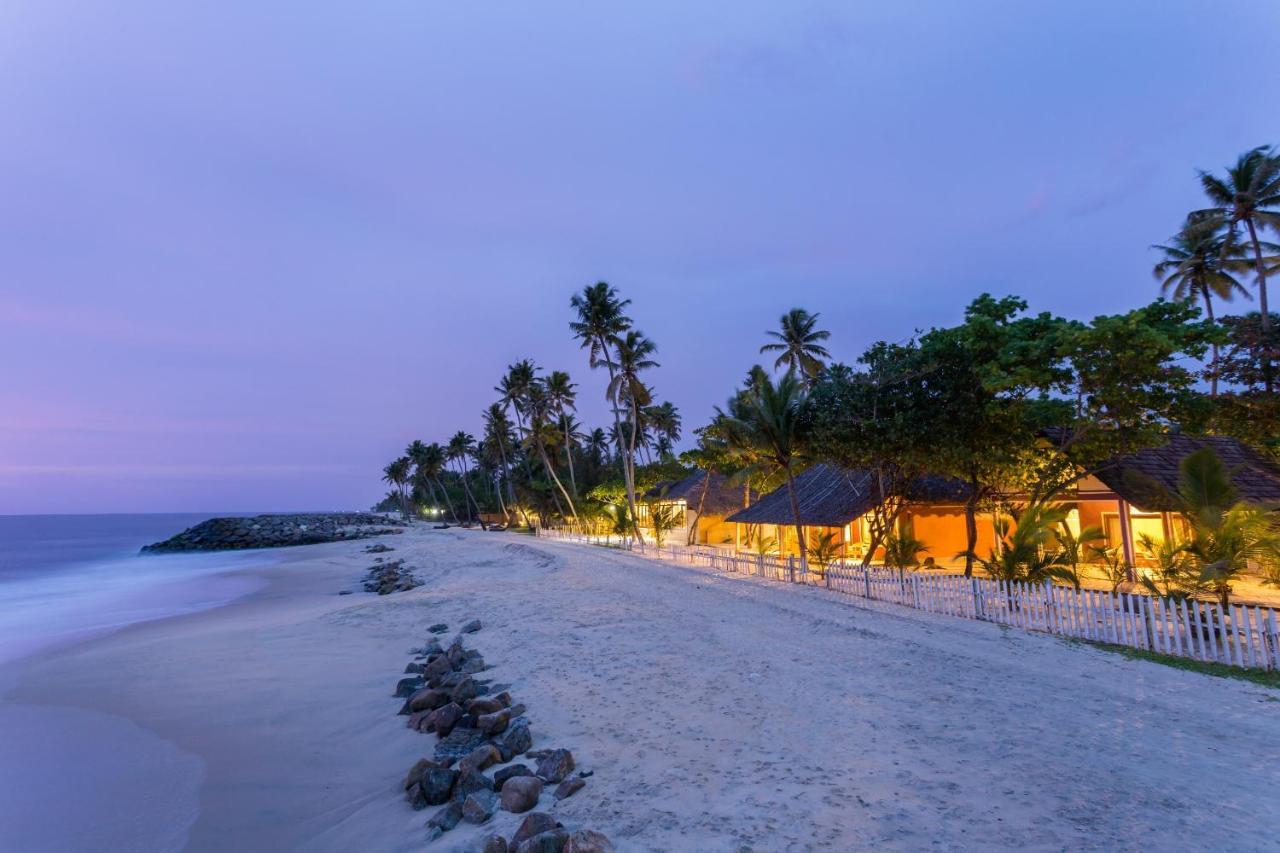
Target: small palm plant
[(1074, 547), (1023, 554), (824, 551), (663, 518), (1174, 576), (617, 520), (902, 551), (1111, 562), (765, 545)]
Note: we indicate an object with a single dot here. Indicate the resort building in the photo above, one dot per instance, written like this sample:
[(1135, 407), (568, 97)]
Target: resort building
[(1132, 501), (699, 503)]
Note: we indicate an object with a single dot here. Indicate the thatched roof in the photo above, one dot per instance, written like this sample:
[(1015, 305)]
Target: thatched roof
[(1148, 479), (722, 496), (832, 497)]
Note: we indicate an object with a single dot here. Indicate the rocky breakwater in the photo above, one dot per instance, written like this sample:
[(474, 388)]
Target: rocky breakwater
[(479, 727), (274, 531)]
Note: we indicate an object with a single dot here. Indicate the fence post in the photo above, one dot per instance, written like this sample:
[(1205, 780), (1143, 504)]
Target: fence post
[(791, 569), (1272, 641), (866, 580), (979, 606)]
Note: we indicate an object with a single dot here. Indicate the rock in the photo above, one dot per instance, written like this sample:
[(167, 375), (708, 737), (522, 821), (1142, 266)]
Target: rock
[(519, 794), (465, 690), (437, 667), (492, 724), (428, 699), (412, 669), (473, 665), (480, 758), (481, 707), (494, 844), (407, 687), (344, 592), (443, 719), (435, 786), (447, 818), (479, 806), (555, 765), (588, 841), (438, 628), (552, 841), (471, 627), (504, 698), (470, 782), (418, 770), (516, 710), (458, 743), (516, 739), (569, 787), (420, 721), (272, 531), (534, 823), (511, 771), (378, 548)]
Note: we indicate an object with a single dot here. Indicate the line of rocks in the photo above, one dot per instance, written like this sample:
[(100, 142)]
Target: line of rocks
[(386, 578), (479, 726), (275, 531)]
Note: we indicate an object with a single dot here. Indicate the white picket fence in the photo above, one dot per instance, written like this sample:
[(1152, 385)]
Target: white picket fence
[(1240, 635)]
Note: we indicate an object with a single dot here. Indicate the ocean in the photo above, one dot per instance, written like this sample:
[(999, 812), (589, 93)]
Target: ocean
[(65, 578)]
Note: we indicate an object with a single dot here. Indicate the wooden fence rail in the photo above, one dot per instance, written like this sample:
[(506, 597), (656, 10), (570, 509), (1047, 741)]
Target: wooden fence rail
[(1239, 635)]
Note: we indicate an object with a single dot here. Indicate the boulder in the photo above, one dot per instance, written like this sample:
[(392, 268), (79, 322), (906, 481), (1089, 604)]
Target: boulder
[(492, 724), (437, 667), (438, 628), (484, 706), (471, 627), (447, 818), (520, 794), (412, 669), (534, 823), (515, 740), (479, 758), (479, 806), (435, 786), (444, 718), (552, 841), (458, 743), (428, 699), (504, 698), (418, 770), (569, 787), (494, 844), (466, 689), (407, 686), (588, 841), (511, 771), (555, 765), (468, 783)]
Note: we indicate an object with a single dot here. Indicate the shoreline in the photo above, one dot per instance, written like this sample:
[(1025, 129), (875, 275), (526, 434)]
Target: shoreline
[(800, 721)]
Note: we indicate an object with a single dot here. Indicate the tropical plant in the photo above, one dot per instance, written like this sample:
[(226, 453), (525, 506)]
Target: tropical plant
[(1248, 195), (1227, 534), (1110, 562), (542, 434), (461, 446), (397, 474), (902, 551), (663, 518), (561, 397), (764, 545), (766, 422), (798, 342), (1174, 575), (634, 355), (1195, 266), (825, 550), (1075, 549), (1023, 554)]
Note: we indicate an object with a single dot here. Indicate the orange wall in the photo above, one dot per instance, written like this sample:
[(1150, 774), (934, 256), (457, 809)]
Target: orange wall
[(942, 530)]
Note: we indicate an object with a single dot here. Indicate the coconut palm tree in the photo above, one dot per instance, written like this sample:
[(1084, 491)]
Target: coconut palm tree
[(459, 448), (634, 353), (543, 433), (765, 422), (601, 319), (1194, 266), (397, 474), (1249, 195), (664, 420), (561, 395), (497, 432), (798, 344)]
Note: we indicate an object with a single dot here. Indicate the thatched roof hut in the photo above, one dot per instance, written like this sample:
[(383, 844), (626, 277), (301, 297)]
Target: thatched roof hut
[(722, 496), (830, 496), (1148, 479)]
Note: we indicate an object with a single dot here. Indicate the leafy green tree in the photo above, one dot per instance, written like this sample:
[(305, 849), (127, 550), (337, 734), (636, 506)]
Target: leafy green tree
[(798, 341), (1246, 410)]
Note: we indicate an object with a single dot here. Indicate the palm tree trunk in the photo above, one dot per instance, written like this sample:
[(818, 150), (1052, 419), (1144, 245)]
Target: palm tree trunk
[(1262, 305), (447, 500), (970, 526), (511, 490), (568, 453), (546, 463), (1213, 371), (692, 538), (795, 516), (628, 475), (631, 464), (466, 489)]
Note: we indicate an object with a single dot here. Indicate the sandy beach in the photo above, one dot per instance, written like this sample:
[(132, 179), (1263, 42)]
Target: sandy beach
[(716, 713)]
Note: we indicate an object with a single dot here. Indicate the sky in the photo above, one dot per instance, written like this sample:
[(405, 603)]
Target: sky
[(248, 251)]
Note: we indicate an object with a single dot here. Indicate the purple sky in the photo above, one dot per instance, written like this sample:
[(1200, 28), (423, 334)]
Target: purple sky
[(248, 253)]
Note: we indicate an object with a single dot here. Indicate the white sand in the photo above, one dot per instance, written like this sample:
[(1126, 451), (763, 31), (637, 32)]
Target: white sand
[(718, 713)]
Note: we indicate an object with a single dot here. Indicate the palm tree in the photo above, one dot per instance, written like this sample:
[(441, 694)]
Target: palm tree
[(497, 432), (1194, 266), (420, 455), (1249, 195), (1226, 533), (459, 448), (1023, 547), (798, 343), (601, 319), (766, 422), (397, 474), (664, 420), (562, 396), (634, 354), (543, 432)]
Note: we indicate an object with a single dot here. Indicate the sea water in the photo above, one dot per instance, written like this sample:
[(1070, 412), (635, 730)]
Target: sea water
[(65, 578)]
